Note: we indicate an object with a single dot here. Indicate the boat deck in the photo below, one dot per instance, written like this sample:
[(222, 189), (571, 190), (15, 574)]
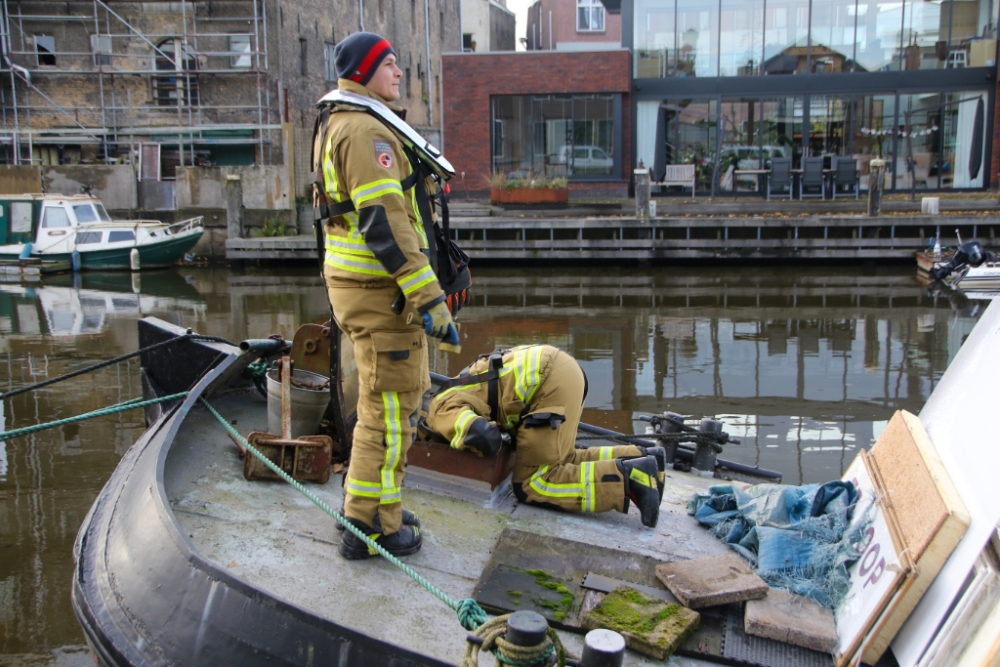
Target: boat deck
[(275, 539)]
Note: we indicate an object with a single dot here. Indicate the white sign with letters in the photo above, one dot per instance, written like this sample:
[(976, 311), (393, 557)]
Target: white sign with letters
[(876, 575)]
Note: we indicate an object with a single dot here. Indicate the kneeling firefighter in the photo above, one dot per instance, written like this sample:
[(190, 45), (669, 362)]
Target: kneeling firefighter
[(386, 264), (535, 394)]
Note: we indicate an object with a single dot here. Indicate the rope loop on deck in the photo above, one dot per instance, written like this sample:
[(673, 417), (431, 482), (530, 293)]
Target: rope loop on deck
[(257, 372), (110, 410), (109, 362), (470, 614), (491, 637)]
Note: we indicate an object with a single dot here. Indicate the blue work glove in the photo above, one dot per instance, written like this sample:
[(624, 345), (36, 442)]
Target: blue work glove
[(438, 323)]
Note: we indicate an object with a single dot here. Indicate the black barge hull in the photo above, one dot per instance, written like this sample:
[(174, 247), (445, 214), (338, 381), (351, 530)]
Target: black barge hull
[(145, 597)]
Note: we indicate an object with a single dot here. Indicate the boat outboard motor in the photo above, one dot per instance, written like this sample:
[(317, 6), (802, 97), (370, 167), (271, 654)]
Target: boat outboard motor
[(970, 253)]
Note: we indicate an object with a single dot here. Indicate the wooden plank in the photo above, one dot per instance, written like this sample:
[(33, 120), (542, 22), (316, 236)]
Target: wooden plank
[(931, 514)]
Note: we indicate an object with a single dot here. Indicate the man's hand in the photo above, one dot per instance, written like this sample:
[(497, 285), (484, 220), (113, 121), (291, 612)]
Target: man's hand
[(438, 323)]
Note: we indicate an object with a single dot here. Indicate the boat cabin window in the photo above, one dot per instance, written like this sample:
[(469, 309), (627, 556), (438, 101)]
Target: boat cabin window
[(101, 212), (55, 216), (88, 237), (116, 236), (84, 213)]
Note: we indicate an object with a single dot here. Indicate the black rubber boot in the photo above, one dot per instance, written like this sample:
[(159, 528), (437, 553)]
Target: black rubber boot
[(409, 519), (660, 454), (640, 487), (403, 542)]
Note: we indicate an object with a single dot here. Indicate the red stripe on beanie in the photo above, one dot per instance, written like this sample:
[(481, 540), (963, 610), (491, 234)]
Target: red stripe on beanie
[(375, 55)]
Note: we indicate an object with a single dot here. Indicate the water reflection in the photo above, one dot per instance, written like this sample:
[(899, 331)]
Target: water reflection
[(805, 365)]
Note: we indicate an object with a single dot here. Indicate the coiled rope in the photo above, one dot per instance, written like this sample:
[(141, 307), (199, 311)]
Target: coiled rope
[(109, 362), (470, 614), (492, 635), (110, 410)]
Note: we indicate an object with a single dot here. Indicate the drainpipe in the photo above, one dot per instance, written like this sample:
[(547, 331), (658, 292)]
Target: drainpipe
[(427, 43), (361, 14)]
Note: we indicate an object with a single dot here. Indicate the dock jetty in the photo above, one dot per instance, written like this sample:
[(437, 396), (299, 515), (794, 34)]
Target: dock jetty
[(688, 230)]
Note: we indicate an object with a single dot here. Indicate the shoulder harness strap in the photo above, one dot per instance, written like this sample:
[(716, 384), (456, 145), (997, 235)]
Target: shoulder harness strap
[(491, 377)]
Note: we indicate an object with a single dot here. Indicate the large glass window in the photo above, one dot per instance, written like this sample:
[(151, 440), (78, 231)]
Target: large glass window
[(554, 135), (741, 37), (786, 36), (964, 138), (680, 131), (697, 40), (751, 37), (655, 39), (833, 35)]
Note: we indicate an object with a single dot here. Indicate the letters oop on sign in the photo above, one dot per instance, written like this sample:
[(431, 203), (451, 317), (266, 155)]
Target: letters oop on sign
[(911, 518)]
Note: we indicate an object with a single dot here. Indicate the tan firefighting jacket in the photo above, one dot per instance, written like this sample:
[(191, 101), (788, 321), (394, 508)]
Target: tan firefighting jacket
[(524, 369), (363, 161)]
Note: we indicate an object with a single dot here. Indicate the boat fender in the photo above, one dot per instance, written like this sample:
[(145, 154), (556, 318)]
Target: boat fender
[(25, 251), (133, 259), (76, 260)]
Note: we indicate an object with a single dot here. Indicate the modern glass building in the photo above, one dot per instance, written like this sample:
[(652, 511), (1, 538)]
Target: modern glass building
[(727, 84)]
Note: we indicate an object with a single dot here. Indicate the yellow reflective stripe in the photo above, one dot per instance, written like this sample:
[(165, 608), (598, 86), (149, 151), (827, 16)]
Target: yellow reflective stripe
[(363, 489), (372, 551), (552, 490), (607, 453), (642, 478), (331, 175), (393, 447), (369, 191), (415, 281), (348, 244), (461, 426), (587, 482), (527, 363), (356, 264)]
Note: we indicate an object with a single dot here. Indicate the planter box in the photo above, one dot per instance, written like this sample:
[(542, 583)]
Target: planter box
[(529, 195)]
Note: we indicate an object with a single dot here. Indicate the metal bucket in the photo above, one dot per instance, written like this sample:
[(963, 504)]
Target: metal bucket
[(308, 405)]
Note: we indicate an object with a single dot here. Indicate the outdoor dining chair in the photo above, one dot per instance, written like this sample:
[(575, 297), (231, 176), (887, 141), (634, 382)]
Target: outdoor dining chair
[(845, 175), (812, 177), (780, 175)]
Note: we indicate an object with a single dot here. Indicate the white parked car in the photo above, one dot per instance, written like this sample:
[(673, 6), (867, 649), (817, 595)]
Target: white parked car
[(586, 159)]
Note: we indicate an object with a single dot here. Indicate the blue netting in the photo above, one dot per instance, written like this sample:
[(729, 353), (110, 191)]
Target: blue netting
[(795, 537)]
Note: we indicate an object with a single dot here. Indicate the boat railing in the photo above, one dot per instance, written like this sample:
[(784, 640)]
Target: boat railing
[(185, 226)]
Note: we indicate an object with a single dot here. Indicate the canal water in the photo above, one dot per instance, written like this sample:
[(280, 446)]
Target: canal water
[(804, 364)]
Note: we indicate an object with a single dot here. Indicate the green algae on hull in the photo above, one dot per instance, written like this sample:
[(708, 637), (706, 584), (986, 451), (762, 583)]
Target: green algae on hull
[(650, 626), (547, 581)]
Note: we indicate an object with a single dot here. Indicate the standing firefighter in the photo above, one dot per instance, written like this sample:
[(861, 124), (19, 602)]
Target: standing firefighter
[(536, 393), (378, 273)]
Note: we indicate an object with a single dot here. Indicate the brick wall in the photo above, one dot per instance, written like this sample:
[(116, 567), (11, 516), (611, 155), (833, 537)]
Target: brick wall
[(470, 80), (563, 19)]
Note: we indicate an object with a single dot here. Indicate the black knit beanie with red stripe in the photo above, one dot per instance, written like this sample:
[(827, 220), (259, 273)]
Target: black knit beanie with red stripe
[(356, 57)]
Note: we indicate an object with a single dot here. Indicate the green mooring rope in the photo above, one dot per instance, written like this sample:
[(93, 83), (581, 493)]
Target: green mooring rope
[(470, 614), (119, 407)]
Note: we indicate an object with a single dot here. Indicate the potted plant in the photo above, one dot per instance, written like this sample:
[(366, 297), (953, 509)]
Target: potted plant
[(518, 187)]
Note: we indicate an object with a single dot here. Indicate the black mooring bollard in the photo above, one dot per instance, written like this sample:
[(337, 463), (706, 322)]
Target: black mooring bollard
[(526, 628), (704, 453), (603, 648)]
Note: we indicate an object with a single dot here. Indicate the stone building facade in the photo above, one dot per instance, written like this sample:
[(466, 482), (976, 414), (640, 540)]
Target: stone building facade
[(165, 84)]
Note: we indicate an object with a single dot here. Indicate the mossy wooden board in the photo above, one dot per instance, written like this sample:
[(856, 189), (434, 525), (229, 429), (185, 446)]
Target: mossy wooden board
[(653, 627)]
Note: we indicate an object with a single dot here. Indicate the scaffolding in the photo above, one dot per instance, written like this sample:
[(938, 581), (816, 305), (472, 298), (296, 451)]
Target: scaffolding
[(172, 61)]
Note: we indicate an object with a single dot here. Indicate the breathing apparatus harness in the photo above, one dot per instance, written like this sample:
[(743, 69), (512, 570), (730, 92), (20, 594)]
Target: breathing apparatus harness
[(449, 263)]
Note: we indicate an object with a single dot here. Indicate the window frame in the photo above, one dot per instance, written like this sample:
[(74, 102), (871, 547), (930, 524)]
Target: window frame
[(234, 61), (50, 50), (97, 44), (329, 62), (45, 218), (593, 8)]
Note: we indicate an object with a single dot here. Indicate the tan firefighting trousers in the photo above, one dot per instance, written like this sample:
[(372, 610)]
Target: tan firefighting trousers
[(548, 470), (392, 377)]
